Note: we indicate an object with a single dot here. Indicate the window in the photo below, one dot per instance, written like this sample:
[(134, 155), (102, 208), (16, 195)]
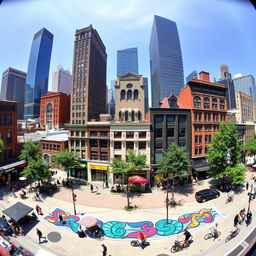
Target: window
[(77, 143), (133, 116), (94, 143), (158, 119), (214, 103), (139, 115), (83, 133), (93, 134), (171, 119), (104, 156), (117, 134), (222, 117), (182, 142), (142, 135), (136, 94), (206, 102), (207, 116), (129, 95), (142, 145), (82, 143), (173, 103), (104, 144), (216, 117), (130, 145), (72, 143), (200, 139), (170, 132), (58, 147), (197, 102), (122, 95), (158, 157), (72, 133), (196, 150), (44, 146), (117, 145), (182, 119), (129, 135), (103, 134), (158, 133), (200, 151), (129, 86), (197, 116), (222, 104), (182, 132), (126, 115), (77, 133), (158, 144), (8, 137), (205, 150), (83, 154), (196, 139), (50, 146), (54, 147), (94, 155), (207, 128)]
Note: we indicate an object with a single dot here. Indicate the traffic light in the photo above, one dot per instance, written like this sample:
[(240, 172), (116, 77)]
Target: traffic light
[(74, 197)]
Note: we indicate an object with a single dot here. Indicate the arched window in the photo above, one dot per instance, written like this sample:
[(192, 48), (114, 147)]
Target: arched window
[(122, 95), (126, 115), (222, 104), (206, 102), (129, 95), (139, 116), (129, 86), (136, 94), (197, 102), (133, 115), (120, 116), (214, 103), (46, 158)]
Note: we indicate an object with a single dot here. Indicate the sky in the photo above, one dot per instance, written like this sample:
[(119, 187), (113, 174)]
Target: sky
[(212, 32)]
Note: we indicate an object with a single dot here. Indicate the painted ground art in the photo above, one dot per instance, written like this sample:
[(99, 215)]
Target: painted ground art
[(152, 229)]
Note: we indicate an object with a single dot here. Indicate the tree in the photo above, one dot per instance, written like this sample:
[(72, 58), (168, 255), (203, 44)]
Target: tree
[(224, 144), (135, 162), (175, 162), (250, 146), (37, 169), (66, 159), (1, 146), (237, 174), (30, 151)]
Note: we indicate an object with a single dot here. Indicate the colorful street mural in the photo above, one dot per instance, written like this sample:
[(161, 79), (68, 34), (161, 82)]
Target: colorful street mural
[(153, 229)]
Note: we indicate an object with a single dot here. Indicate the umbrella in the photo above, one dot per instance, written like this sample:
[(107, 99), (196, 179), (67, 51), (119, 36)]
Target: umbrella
[(88, 221), (137, 179), (22, 178)]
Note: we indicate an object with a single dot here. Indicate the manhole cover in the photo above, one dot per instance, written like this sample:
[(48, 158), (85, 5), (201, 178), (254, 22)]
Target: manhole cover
[(54, 237)]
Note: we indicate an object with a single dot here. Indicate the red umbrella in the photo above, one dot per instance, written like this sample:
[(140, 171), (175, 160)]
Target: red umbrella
[(88, 221), (137, 179)]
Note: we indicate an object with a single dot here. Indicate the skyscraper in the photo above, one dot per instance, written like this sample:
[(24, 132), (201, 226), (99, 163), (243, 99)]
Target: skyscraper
[(245, 84), (127, 61), (61, 80), (88, 98), (223, 69), (13, 87), (166, 65), (38, 72)]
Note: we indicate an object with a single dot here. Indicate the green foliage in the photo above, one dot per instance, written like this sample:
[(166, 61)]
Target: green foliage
[(37, 169), (236, 173), (250, 146), (1, 146), (30, 151), (175, 161), (225, 138)]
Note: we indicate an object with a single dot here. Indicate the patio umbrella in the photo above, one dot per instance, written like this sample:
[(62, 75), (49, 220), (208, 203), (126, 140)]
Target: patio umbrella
[(137, 179), (88, 221), (22, 178)]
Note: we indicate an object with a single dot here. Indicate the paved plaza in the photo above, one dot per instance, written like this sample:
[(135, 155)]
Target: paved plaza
[(149, 216)]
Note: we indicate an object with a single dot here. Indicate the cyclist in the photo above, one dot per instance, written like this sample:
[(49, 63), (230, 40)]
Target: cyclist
[(234, 230), (214, 230), (187, 236), (142, 238)]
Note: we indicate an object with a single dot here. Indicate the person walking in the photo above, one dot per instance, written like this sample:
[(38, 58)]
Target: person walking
[(39, 210), (105, 250), (40, 235), (247, 185), (236, 220), (12, 190), (91, 187), (61, 219)]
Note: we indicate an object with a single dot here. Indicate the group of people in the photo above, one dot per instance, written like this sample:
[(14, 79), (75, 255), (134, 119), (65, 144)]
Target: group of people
[(241, 217)]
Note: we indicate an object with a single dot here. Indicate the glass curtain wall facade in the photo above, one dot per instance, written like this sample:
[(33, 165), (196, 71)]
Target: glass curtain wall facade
[(38, 72), (127, 61), (166, 66)]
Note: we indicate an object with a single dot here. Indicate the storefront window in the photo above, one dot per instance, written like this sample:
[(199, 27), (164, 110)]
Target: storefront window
[(97, 175)]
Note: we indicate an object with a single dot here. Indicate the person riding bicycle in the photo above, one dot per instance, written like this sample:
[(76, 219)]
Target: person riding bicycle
[(187, 236), (142, 238), (214, 230), (230, 195), (234, 230)]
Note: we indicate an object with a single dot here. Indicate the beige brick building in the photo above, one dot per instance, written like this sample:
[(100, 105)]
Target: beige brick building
[(244, 108), (130, 97)]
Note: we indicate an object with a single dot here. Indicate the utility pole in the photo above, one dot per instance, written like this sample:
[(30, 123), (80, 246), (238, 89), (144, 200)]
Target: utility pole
[(73, 198), (250, 198)]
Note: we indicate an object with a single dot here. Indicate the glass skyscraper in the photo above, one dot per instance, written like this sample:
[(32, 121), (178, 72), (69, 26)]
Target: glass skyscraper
[(38, 72), (127, 61), (166, 65)]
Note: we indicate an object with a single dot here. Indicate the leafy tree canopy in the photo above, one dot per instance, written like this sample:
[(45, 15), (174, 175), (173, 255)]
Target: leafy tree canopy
[(250, 146), (1, 146), (237, 173), (30, 151)]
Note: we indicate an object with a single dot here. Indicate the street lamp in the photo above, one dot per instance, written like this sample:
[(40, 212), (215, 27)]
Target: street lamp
[(250, 198)]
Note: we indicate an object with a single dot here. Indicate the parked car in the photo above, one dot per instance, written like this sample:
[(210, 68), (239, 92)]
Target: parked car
[(206, 194), (5, 227)]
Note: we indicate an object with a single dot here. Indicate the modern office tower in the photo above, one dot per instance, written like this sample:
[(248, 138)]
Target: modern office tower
[(227, 81), (38, 72), (145, 81), (127, 61), (111, 99), (166, 65), (13, 87), (192, 75), (89, 90), (61, 80), (245, 84)]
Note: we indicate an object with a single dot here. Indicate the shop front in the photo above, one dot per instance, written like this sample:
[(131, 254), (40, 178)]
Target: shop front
[(79, 171), (98, 173)]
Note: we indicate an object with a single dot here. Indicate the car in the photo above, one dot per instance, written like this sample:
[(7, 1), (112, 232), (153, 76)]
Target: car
[(206, 194), (5, 227)]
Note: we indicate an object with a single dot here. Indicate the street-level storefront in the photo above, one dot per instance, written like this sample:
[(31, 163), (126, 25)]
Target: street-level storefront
[(200, 168), (79, 171), (98, 172)]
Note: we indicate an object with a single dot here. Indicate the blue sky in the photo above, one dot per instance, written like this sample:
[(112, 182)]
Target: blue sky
[(212, 32)]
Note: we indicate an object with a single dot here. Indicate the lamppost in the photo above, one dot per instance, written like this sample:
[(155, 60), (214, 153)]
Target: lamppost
[(73, 197), (250, 198)]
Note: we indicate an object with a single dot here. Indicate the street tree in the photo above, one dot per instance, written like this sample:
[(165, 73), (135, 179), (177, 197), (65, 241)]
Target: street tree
[(224, 145), (135, 162), (175, 163), (30, 151), (1, 146), (250, 146), (66, 159), (237, 174), (37, 169)]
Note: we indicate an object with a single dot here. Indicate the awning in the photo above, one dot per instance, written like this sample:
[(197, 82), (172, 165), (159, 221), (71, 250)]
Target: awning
[(202, 168), (137, 179), (11, 167), (17, 211)]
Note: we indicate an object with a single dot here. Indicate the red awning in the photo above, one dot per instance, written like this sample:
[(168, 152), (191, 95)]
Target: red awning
[(137, 179)]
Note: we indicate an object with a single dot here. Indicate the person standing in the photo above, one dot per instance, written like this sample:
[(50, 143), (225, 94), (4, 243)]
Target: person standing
[(236, 220), (91, 187), (247, 185), (40, 235), (105, 250), (12, 190), (61, 219), (39, 210)]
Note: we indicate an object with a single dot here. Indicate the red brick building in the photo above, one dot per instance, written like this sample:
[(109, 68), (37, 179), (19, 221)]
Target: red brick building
[(54, 110), (209, 107), (8, 130)]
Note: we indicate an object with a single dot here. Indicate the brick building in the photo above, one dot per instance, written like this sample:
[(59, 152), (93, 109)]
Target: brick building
[(209, 107), (54, 110)]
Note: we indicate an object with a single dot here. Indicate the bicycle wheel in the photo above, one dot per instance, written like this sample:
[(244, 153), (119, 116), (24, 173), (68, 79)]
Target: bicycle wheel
[(208, 236), (227, 201), (219, 233), (134, 243), (174, 249), (228, 238), (146, 243)]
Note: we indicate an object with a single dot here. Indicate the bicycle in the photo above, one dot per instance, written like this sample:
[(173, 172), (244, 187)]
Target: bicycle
[(212, 235), (180, 245), (232, 235), (137, 243), (37, 199), (229, 199)]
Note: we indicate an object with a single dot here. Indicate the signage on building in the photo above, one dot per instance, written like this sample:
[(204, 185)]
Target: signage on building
[(98, 167)]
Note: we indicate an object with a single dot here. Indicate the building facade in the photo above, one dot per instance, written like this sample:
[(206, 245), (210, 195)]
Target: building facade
[(13, 88), (61, 80), (111, 99), (166, 66), (127, 61), (245, 84), (88, 98), (54, 110), (38, 72), (130, 98), (207, 100), (145, 81)]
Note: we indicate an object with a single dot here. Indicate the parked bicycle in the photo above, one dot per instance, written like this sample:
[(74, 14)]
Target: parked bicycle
[(232, 234), (137, 243)]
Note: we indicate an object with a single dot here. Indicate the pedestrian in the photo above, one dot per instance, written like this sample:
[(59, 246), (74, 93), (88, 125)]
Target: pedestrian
[(105, 250), (12, 190), (61, 219), (91, 188), (4, 217), (40, 235), (39, 210), (247, 185), (248, 218), (96, 190), (34, 216), (24, 192), (236, 220)]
